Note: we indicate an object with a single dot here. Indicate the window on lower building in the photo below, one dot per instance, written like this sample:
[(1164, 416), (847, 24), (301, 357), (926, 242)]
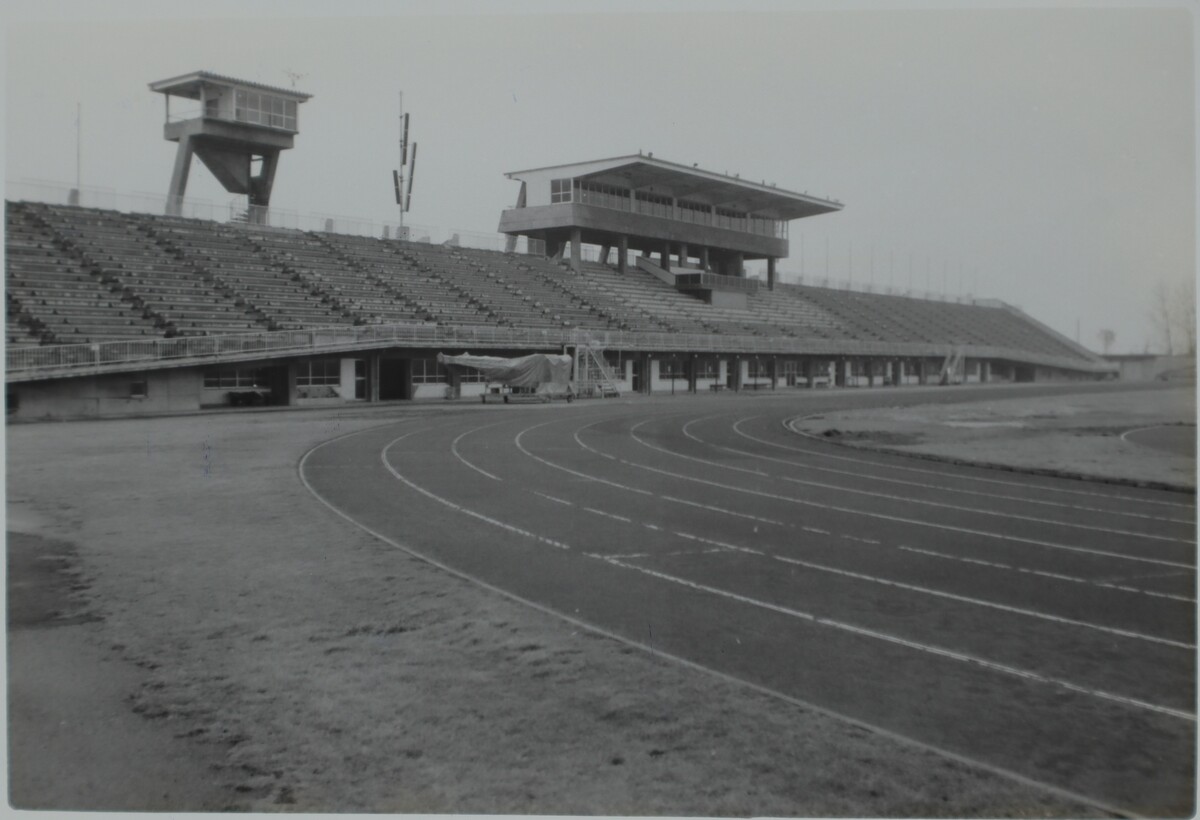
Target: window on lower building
[(708, 369), (319, 371), (428, 371), (759, 369), (231, 377), (138, 389), (671, 369)]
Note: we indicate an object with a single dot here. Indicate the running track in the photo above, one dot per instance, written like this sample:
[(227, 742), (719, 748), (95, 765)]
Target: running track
[(1039, 627)]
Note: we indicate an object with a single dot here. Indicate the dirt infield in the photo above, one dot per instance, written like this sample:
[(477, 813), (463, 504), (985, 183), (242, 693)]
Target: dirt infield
[(246, 649), (1077, 435)]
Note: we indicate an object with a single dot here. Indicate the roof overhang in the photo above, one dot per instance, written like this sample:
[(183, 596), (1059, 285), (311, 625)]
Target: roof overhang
[(188, 85), (650, 175)]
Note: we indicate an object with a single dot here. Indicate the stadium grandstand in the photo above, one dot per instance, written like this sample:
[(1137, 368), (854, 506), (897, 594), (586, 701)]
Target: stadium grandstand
[(119, 312)]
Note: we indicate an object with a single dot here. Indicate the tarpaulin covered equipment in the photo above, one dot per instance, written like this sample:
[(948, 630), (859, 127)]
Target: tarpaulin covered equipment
[(548, 372)]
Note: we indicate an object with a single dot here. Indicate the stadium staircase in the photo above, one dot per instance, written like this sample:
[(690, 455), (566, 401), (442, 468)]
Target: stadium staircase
[(593, 378)]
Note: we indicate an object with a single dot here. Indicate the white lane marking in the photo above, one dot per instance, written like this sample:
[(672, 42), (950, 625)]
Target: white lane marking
[(724, 511), (819, 531), (1148, 427), (1058, 576), (883, 581), (608, 515), (552, 498), (790, 425), (454, 450), (963, 599), (882, 731), (868, 540), (458, 507), (940, 487), (905, 499), (905, 642), (517, 442), (886, 517)]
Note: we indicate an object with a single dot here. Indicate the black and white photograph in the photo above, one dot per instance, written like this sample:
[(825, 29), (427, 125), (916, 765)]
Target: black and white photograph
[(686, 409)]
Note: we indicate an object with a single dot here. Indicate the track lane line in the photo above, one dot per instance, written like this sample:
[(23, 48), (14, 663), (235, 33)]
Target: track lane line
[(886, 517), (909, 499), (802, 703), (939, 487), (1012, 609), (819, 531), (789, 425), (894, 639)]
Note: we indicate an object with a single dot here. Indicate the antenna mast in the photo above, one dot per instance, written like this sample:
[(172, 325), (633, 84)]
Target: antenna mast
[(403, 198)]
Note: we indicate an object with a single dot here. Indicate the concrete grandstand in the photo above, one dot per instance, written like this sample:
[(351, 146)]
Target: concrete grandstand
[(113, 312)]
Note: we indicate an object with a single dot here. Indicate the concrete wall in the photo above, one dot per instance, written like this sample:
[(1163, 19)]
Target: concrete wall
[(1147, 368), (167, 391)]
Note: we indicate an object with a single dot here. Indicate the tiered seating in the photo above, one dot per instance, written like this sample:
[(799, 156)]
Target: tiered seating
[(51, 298), (536, 280), (231, 259), (77, 275), (397, 274), (182, 301), (320, 265), (795, 315)]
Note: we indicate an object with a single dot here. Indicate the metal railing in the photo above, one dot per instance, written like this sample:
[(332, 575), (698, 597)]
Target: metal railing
[(56, 361)]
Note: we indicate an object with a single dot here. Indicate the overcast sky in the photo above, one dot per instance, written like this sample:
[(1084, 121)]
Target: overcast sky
[(1046, 153)]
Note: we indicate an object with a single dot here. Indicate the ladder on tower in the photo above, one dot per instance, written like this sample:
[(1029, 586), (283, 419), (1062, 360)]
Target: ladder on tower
[(592, 376)]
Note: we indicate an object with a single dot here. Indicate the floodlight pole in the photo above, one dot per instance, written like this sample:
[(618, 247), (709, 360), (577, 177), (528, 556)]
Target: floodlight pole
[(78, 144), (400, 185)]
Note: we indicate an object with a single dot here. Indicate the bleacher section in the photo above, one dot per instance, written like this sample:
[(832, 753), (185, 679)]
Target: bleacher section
[(78, 274), (54, 297)]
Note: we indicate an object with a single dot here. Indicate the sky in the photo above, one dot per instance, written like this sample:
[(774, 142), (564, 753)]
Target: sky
[(1040, 154)]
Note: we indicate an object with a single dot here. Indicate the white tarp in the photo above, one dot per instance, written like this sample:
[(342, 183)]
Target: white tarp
[(534, 370)]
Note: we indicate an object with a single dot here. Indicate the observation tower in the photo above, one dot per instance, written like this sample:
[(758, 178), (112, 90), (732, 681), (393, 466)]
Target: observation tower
[(236, 127)]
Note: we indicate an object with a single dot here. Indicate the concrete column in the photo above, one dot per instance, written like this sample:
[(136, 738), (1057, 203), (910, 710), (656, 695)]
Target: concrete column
[(774, 373), (291, 384), (605, 251), (839, 372), (647, 375), (179, 176), (373, 377), (683, 255), (738, 266), (770, 273), (704, 258), (576, 251), (622, 253), (870, 365), (691, 373), (897, 372), (923, 371), (985, 371), (665, 256), (810, 373)]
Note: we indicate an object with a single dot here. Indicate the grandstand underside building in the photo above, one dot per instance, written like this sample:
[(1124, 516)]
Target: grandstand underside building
[(112, 313)]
